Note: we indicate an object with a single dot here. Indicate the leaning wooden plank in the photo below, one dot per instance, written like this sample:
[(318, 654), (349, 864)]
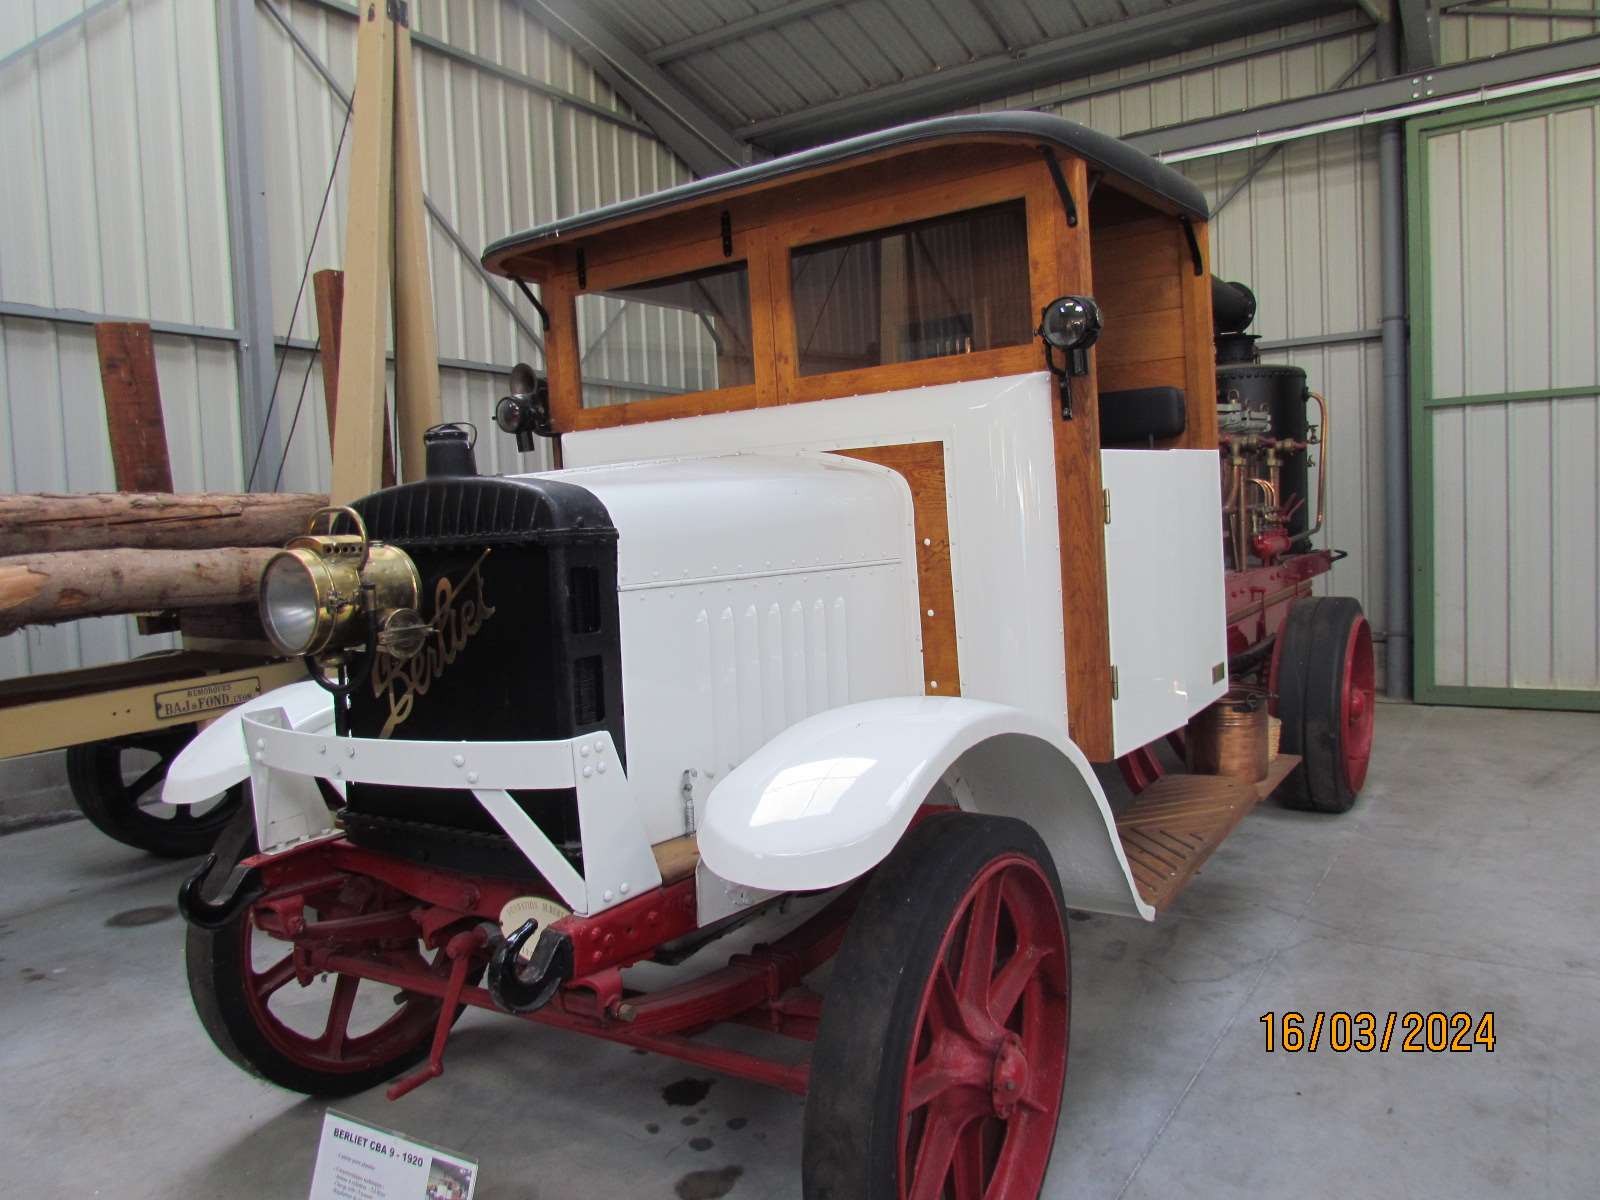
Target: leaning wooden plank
[(133, 406), (45, 589), (44, 523), (329, 288), (416, 345)]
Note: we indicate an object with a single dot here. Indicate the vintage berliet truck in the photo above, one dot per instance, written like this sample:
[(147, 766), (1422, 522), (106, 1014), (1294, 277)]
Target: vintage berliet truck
[(909, 486)]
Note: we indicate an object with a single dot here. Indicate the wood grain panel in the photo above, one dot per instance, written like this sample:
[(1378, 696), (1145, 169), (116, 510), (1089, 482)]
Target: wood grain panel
[(1125, 297), (1141, 337), (1165, 372), (1175, 824), (921, 464), (1200, 390), (1078, 492), (133, 406)]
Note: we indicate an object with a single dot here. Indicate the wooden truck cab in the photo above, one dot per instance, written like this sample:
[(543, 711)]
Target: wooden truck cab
[(912, 258)]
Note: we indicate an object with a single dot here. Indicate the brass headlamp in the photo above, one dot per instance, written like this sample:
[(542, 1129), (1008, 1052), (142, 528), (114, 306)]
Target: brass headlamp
[(325, 593)]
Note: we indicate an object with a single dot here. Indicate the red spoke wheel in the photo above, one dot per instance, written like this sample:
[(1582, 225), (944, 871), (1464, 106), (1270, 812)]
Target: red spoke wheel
[(1324, 680), (942, 1049), (324, 1035)]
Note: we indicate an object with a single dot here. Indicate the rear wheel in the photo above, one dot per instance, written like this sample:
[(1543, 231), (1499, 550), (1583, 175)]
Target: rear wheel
[(1324, 679), (117, 785), (942, 1049), (329, 1035)]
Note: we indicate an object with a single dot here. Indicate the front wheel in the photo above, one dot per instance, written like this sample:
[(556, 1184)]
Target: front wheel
[(942, 1049), (329, 1035)]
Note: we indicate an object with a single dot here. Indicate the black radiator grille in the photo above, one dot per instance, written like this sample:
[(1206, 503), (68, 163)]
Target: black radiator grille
[(588, 691)]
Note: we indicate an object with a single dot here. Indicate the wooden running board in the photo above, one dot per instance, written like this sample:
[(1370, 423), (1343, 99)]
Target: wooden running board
[(1175, 824)]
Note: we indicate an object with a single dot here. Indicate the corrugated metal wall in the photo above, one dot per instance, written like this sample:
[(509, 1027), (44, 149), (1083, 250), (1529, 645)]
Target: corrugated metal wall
[(498, 156), (1510, 422), (115, 202)]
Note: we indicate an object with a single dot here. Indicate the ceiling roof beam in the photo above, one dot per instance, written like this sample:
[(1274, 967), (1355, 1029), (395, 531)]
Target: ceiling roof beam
[(1419, 34), (743, 27), (1152, 35), (1373, 103), (679, 120), (1073, 92)]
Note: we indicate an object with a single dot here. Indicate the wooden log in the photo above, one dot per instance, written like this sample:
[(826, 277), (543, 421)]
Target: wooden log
[(44, 523), (45, 589)]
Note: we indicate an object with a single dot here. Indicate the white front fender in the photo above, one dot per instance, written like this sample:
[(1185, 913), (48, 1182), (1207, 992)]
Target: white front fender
[(217, 758), (828, 798)]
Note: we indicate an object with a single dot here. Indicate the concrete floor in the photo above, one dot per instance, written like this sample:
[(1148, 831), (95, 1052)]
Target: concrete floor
[(1465, 879)]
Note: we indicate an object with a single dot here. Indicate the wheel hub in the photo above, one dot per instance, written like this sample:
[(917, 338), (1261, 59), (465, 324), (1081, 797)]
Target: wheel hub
[(1009, 1079)]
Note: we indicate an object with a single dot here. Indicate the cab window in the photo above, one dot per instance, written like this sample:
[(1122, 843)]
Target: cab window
[(950, 285), (666, 337)]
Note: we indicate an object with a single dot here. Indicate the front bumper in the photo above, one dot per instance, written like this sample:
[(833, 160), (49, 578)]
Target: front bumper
[(617, 861)]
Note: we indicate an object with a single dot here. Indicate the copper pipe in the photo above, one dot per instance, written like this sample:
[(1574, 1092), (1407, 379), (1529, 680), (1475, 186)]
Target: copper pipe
[(1322, 467)]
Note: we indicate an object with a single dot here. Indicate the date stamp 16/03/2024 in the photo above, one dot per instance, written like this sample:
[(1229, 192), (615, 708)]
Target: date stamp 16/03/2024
[(1366, 1032)]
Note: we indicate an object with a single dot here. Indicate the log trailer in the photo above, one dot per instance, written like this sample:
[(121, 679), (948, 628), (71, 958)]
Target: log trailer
[(902, 494)]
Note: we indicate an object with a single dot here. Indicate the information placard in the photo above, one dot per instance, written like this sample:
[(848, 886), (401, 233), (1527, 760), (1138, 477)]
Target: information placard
[(358, 1161)]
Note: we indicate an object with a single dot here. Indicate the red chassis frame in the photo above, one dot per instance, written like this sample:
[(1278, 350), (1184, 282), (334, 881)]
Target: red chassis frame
[(1258, 600), (403, 901)]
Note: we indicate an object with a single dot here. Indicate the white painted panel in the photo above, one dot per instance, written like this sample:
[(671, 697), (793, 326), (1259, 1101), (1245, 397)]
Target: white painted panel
[(712, 554), (1000, 494), (1165, 589)]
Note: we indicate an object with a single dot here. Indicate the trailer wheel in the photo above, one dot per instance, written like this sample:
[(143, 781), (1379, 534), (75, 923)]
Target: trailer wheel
[(116, 784), (320, 1038), (942, 1048), (1323, 677)]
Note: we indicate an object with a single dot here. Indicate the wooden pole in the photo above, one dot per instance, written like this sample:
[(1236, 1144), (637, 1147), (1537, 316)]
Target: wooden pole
[(39, 524), (44, 589), (416, 342), (369, 242), (133, 406), (329, 289)]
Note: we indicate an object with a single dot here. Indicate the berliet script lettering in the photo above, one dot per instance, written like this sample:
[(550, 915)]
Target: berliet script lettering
[(459, 611)]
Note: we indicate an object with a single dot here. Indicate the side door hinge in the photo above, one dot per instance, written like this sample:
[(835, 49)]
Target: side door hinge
[(1116, 684), (1105, 500)]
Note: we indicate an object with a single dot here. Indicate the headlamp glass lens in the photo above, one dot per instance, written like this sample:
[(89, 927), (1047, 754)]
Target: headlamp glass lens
[(289, 604), (1070, 323)]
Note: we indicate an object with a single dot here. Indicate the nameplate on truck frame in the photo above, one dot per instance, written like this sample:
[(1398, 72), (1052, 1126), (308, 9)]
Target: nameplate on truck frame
[(206, 697)]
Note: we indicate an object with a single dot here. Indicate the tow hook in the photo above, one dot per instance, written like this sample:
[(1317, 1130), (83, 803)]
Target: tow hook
[(243, 888), (519, 987)]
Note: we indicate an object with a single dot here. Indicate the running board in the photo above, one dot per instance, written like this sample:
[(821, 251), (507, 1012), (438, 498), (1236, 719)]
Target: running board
[(1175, 824)]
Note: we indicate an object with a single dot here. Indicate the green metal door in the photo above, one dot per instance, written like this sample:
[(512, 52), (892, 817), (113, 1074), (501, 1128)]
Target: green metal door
[(1505, 409)]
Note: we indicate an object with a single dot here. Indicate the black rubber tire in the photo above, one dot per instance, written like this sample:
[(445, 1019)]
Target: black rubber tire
[(216, 985), (1310, 679), (95, 776), (852, 1112)]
